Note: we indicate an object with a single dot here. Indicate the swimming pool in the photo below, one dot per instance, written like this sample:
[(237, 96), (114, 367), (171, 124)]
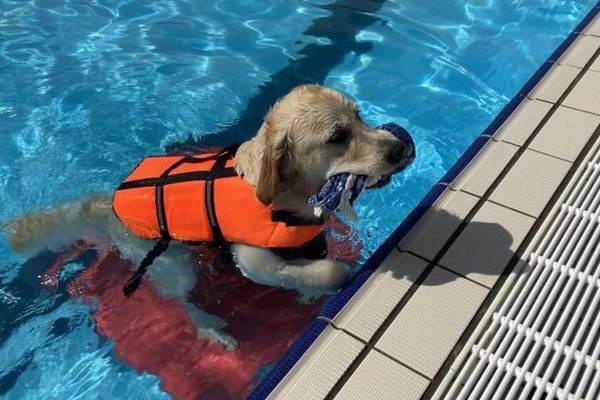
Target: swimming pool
[(91, 89)]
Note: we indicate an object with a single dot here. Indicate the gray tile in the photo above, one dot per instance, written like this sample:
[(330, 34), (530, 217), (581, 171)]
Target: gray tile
[(555, 83), (523, 121), (566, 133), (593, 27), (483, 170), (379, 377), (376, 299), (580, 52), (320, 367), (428, 327), (596, 65), (531, 182), (586, 94), (488, 242), (437, 225)]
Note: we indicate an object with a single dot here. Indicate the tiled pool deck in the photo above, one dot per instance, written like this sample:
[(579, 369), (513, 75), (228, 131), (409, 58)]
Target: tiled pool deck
[(401, 334)]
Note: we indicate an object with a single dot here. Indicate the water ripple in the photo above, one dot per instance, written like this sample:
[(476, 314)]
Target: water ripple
[(87, 89)]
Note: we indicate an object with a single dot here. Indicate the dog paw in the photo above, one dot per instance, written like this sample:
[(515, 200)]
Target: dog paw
[(323, 275), (210, 327), (220, 337), (318, 276)]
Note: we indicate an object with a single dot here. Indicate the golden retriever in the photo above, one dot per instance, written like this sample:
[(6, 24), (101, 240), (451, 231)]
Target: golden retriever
[(308, 135)]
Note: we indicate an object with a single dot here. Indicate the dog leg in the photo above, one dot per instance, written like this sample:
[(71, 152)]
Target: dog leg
[(264, 267), (60, 226), (93, 218), (210, 326), (174, 277)]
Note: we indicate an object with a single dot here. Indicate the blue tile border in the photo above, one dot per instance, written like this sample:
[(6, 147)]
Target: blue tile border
[(339, 300), (335, 304), (464, 159), (289, 359)]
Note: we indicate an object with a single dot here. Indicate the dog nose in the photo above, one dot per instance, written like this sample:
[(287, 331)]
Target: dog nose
[(396, 153), (403, 149)]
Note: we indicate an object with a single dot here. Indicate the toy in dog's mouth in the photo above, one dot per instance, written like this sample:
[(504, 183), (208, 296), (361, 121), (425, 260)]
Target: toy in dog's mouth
[(341, 190)]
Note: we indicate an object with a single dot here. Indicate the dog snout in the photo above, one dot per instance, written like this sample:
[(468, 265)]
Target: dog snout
[(401, 153), (401, 150), (395, 153)]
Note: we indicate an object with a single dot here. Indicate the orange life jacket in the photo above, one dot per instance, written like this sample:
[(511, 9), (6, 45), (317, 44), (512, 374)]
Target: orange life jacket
[(200, 198)]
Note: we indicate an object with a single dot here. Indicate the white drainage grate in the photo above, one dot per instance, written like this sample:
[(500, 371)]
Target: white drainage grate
[(544, 340)]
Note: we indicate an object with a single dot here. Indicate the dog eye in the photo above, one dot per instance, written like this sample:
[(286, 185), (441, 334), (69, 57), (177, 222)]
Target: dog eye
[(340, 135)]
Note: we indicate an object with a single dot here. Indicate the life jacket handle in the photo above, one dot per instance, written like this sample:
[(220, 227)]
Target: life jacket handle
[(225, 151)]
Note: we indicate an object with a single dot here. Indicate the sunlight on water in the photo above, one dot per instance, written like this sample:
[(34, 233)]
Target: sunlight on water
[(89, 89)]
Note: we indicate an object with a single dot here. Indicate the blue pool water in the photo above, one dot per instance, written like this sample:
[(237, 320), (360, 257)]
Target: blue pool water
[(87, 89)]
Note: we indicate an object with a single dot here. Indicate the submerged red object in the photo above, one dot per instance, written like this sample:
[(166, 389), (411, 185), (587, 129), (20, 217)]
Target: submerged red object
[(155, 335)]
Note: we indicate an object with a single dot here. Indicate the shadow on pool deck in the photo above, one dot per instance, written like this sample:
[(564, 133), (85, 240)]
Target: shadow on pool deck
[(481, 251)]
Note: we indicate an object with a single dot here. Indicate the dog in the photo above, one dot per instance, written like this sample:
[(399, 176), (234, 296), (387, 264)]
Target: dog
[(309, 135)]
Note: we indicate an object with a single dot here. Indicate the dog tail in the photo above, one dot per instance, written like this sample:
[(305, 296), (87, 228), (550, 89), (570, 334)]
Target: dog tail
[(58, 226)]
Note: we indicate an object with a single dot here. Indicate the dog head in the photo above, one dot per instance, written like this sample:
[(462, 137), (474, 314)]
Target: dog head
[(315, 132)]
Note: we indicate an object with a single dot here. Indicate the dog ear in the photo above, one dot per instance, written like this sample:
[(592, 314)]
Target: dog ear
[(274, 151)]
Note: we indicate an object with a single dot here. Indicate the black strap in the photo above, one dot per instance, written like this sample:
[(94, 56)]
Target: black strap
[(165, 178), (221, 158), (314, 249), (177, 178), (209, 196), (159, 198), (134, 282)]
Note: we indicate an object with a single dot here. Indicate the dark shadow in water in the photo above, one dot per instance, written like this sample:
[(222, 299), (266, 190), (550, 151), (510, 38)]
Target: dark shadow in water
[(10, 379), (312, 65), (26, 288)]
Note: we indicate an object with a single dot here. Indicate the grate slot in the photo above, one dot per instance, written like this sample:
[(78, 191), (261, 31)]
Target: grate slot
[(547, 341)]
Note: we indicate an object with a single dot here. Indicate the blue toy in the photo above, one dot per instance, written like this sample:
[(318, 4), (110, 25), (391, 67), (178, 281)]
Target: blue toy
[(341, 190)]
